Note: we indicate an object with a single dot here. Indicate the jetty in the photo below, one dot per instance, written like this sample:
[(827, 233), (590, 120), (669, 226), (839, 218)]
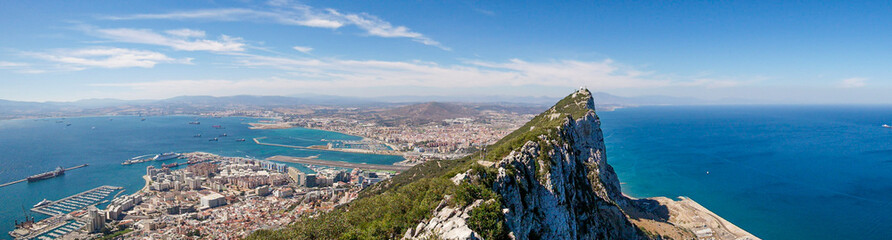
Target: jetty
[(313, 161), (25, 179)]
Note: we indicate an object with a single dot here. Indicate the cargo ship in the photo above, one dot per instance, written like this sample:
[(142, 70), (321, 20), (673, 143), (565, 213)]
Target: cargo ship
[(47, 175), (171, 165)]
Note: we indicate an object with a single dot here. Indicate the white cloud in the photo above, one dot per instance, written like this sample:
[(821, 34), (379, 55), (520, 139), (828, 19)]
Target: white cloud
[(179, 39), (303, 49), (8, 65), (186, 33), (852, 83), (104, 57), (334, 75), (287, 13)]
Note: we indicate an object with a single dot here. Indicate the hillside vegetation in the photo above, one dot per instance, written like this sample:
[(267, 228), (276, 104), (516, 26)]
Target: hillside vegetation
[(386, 210)]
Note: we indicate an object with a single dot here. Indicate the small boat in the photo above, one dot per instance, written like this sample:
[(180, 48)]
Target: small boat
[(68, 124), (142, 119), (887, 126), (223, 135), (213, 139), (197, 135), (218, 127), (41, 203), (240, 140), (196, 122)]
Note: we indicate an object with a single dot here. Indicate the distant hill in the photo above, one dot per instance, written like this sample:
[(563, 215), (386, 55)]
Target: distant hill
[(423, 113)]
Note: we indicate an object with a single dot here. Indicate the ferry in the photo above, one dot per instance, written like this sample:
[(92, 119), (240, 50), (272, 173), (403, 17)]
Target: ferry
[(887, 126), (47, 175), (165, 156), (196, 122), (41, 203)]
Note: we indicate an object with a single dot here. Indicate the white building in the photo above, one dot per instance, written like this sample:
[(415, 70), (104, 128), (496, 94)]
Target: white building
[(212, 200)]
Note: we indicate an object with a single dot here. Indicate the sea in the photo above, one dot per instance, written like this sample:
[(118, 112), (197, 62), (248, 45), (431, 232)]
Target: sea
[(779, 172), (31, 146)]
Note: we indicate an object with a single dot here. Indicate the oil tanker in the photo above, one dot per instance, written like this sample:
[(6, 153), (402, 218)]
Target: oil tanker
[(47, 175)]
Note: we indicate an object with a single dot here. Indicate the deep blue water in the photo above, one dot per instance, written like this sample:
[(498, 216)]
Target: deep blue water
[(32, 146), (779, 172)]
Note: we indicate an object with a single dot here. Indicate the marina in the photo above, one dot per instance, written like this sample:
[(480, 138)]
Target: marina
[(62, 220), (76, 202)]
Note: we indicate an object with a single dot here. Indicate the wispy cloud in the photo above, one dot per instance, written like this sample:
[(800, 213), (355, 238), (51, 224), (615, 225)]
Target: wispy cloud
[(303, 49), (852, 83), (7, 65), (333, 75), (104, 57), (295, 14), (179, 39)]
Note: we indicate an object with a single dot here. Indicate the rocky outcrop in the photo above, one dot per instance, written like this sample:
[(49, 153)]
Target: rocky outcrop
[(561, 186), (447, 223)]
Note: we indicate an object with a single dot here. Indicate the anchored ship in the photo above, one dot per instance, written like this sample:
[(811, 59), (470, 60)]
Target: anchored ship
[(47, 175)]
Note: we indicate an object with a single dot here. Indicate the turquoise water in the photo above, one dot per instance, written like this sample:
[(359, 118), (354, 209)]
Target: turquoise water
[(779, 172), (32, 146)]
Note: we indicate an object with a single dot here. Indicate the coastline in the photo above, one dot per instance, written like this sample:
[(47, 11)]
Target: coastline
[(683, 218)]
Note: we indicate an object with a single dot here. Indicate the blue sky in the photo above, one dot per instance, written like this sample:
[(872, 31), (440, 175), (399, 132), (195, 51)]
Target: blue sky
[(780, 52)]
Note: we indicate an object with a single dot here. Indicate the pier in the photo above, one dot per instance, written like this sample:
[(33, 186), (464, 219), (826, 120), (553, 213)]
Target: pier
[(23, 180), (312, 161)]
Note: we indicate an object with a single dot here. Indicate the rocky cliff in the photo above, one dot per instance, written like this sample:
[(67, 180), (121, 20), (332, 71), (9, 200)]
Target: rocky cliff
[(549, 179), (554, 183)]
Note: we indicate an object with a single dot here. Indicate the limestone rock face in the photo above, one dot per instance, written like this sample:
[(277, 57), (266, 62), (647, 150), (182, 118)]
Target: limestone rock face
[(561, 187), (447, 223), (557, 186)]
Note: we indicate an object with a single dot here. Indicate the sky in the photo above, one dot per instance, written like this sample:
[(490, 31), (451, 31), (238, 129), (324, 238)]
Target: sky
[(783, 52)]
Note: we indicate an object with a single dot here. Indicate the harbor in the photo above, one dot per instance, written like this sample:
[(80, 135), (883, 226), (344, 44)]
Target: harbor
[(61, 221), (33, 179)]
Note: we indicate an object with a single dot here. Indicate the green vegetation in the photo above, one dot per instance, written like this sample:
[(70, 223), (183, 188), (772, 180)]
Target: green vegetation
[(385, 210), (543, 124), (115, 234), (488, 221)]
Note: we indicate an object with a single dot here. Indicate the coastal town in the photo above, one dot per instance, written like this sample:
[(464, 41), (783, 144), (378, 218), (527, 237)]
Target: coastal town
[(211, 197)]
